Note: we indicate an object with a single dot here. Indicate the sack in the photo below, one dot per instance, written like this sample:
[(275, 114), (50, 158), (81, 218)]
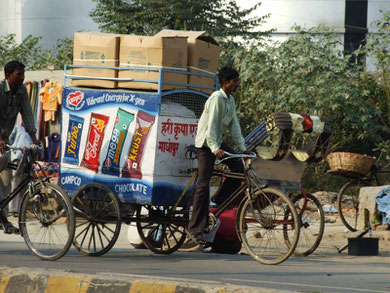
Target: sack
[(226, 239)]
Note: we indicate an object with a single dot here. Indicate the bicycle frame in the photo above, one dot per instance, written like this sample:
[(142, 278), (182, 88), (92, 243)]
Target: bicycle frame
[(376, 171), (25, 182), (245, 187)]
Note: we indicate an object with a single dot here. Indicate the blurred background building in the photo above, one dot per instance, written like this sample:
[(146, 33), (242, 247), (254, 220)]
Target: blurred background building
[(352, 19), (50, 19)]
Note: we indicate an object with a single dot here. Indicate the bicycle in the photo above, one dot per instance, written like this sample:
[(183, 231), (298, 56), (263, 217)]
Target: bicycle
[(267, 222), (348, 196), (46, 218)]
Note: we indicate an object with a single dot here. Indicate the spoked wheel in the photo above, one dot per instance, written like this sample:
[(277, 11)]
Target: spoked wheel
[(216, 182), (161, 232), (264, 221), (348, 203), (46, 221), (312, 224), (98, 219)]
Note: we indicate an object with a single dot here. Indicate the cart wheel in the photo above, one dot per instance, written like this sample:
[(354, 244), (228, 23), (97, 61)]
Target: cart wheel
[(160, 232), (312, 224), (98, 219)]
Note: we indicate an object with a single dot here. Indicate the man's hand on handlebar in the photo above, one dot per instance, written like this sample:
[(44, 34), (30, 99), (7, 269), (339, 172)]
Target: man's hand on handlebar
[(219, 153)]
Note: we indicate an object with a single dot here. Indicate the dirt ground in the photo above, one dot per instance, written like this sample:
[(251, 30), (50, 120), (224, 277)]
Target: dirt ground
[(336, 235)]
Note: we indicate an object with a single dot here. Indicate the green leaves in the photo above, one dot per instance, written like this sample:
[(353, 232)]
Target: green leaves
[(309, 74), (26, 52), (31, 54), (222, 19)]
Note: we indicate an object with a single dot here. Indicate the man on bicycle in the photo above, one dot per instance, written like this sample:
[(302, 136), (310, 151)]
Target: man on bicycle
[(13, 100), (219, 114)]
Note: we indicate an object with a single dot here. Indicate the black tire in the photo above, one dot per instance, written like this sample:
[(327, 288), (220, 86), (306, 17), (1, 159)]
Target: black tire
[(312, 224), (98, 219), (47, 221), (264, 222), (161, 232), (348, 203)]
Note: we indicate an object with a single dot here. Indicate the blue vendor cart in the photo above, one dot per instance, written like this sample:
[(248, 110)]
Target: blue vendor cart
[(123, 154)]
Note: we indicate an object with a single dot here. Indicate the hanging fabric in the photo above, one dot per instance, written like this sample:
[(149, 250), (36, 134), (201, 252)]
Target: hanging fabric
[(51, 96)]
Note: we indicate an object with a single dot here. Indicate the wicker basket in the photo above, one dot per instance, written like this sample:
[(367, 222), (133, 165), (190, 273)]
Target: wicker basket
[(350, 162)]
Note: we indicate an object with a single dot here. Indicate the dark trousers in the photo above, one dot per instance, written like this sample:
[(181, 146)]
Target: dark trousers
[(200, 206)]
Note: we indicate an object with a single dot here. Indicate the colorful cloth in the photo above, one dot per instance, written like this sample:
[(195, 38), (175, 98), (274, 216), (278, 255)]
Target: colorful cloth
[(19, 138), (52, 146), (51, 96), (383, 200)]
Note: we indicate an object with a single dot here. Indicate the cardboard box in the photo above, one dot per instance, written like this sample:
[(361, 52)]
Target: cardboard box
[(154, 53), (96, 49), (203, 56)]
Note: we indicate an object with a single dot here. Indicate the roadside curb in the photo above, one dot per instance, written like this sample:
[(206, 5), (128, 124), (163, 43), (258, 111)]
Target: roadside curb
[(55, 281)]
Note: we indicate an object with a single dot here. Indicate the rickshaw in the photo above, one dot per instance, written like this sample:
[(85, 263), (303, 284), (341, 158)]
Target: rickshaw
[(123, 159)]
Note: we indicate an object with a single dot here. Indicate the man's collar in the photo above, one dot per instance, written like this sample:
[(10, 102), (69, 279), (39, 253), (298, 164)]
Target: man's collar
[(6, 87), (223, 93)]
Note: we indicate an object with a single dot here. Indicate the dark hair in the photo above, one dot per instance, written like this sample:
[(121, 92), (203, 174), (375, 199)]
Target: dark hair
[(227, 73), (11, 66)]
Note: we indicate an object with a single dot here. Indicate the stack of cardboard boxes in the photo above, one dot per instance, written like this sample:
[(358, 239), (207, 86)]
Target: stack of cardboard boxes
[(187, 51), (95, 49)]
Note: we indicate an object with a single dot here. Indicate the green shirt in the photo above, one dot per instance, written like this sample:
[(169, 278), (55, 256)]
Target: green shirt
[(219, 114), (10, 106)]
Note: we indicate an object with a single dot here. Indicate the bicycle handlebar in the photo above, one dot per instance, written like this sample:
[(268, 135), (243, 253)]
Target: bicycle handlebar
[(27, 153), (231, 156), (31, 147)]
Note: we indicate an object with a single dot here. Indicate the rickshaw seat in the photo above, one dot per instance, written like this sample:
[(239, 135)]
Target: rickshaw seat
[(317, 149)]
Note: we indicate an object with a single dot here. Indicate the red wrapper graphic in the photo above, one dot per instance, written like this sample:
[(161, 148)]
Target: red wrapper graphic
[(95, 138), (132, 167)]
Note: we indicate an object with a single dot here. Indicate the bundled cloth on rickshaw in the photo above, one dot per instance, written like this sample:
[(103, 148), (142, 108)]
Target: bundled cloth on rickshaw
[(280, 129)]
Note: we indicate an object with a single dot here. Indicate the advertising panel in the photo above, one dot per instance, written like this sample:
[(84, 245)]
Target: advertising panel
[(106, 134), (123, 140)]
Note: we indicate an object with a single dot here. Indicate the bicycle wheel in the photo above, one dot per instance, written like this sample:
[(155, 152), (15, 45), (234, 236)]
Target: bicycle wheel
[(98, 219), (264, 222), (312, 224), (348, 203), (216, 182), (46, 221), (160, 232)]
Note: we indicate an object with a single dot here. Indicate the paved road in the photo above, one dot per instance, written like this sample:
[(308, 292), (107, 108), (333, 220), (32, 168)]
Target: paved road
[(325, 271)]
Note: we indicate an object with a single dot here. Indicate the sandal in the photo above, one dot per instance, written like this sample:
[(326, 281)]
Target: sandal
[(10, 229)]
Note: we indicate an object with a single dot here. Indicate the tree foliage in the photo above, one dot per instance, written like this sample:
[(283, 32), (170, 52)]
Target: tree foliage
[(309, 74), (28, 52), (377, 49), (62, 52), (31, 54), (220, 18)]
